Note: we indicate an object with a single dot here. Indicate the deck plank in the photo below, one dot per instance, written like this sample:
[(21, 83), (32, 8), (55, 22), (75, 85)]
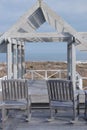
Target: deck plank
[(39, 94), (39, 121)]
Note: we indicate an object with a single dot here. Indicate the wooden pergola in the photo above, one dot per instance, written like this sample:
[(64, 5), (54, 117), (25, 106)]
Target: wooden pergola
[(13, 41)]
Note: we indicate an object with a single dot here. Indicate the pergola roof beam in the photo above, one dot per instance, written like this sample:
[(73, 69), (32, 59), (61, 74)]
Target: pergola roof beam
[(22, 21), (34, 18), (38, 35), (43, 37), (57, 18), (64, 26)]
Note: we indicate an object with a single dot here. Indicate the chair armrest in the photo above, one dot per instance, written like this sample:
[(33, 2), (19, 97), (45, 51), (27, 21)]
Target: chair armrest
[(76, 93), (29, 98), (76, 96)]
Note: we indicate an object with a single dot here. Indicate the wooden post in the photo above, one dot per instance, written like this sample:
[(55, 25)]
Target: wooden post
[(15, 61), (73, 65), (9, 60), (69, 61), (19, 60), (23, 59)]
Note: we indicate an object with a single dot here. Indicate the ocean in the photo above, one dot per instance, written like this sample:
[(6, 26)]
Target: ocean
[(54, 57), (47, 52), (51, 52)]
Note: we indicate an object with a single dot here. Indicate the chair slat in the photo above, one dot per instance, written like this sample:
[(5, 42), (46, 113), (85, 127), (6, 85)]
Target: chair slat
[(15, 95), (14, 89), (61, 95), (60, 90)]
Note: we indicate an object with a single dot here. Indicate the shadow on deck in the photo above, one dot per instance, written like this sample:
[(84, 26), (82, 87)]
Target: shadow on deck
[(39, 121), (40, 113)]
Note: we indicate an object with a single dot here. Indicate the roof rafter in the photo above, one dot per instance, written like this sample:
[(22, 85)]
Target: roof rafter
[(56, 21), (25, 28)]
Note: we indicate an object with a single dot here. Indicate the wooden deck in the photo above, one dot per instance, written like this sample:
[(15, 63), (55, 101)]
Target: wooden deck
[(39, 94), (39, 121), (38, 91)]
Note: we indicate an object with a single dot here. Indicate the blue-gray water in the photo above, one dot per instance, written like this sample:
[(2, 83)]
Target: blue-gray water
[(47, 52), (51, 52)]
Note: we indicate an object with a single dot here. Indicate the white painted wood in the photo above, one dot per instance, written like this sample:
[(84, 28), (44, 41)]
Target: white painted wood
[(9, 60), (22, 21), (40, 35), (52, 18), (73, 65), (19, 61), (15, 61), (69, 58), (66, 27), (56, 17), (44, 37), (29, 35), (23, 59)]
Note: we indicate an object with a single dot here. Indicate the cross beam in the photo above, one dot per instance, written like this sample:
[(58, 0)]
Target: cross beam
[(43, 37)]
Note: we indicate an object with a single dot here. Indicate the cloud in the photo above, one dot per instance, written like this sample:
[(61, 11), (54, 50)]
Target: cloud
[(69, 6), (11, 10), (73, 11)]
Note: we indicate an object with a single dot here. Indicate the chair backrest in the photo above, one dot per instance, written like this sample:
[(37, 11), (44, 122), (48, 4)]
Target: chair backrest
[(60, 90), (14, 89)]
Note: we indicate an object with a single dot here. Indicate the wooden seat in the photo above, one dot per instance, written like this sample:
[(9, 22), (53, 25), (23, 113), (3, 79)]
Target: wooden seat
[(62, 96), (15, 95)]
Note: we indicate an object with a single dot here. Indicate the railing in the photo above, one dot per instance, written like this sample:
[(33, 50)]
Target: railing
[(46, 74)]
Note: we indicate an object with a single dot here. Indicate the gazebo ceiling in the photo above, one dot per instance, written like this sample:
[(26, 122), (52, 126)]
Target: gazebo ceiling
[(25, 28)]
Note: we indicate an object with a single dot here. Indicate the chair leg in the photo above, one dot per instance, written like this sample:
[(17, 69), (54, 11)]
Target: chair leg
[(28, 113), (85, 113), (78, 112), (51, 114), (75, 118), (74, 114), (4, 114)]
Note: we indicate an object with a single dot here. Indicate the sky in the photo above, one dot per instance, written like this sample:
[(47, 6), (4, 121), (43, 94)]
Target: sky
[(73, 12)]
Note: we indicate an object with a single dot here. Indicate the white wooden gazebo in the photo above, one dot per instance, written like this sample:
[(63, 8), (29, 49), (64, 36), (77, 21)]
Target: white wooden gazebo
[(13, 41)]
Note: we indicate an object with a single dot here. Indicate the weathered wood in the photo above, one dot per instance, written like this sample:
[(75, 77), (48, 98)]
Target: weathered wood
[(61, 95), (15, 94), (14, 89), (60, 90)]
